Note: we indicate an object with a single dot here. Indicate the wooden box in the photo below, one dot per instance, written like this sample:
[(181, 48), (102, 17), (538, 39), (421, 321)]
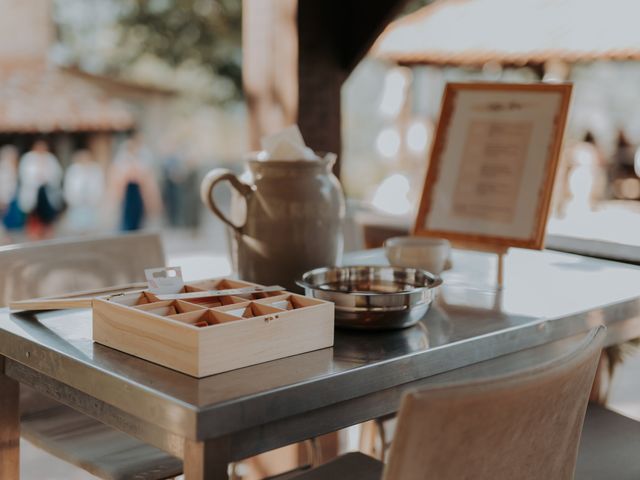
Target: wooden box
[(209, 335), (204, 335)]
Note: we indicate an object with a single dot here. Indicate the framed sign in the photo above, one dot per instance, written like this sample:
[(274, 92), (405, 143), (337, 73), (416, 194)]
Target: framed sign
[(493, 164)]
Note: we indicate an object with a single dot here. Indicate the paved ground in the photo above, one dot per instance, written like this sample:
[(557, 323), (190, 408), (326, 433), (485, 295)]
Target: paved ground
[(38, 465)]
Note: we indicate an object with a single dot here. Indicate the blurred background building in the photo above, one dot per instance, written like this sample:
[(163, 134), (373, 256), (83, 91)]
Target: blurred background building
[(199, 81)]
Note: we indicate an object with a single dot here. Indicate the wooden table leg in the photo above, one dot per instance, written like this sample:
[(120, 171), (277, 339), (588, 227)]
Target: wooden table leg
[(9, 426), (206, 460)]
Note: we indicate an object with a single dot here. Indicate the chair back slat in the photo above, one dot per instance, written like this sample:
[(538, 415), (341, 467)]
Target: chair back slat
[(55, 267), (525, 425)]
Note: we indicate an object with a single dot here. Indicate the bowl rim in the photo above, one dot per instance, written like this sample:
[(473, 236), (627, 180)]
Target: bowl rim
[(434, 280)]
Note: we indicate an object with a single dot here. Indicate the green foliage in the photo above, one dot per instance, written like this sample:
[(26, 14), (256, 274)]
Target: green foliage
[(198, 33)]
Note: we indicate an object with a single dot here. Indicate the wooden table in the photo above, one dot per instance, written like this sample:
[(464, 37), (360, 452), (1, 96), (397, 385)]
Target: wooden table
[(549, 297)]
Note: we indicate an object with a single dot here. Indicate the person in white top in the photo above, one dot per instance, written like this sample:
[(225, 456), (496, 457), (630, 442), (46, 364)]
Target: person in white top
[(133, 185), (83, 192), (8, 175), (40, 176), (38, 167), (8, 188)]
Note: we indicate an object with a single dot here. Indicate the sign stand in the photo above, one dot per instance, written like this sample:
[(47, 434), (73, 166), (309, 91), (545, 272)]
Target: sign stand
[(500, 276), (499, 250)]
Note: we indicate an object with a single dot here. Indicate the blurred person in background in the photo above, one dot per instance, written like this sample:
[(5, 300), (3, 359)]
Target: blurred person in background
[(83, 192), (587, 180), (40, 192), (191, 203), (181, 192), (621, 165), (172, 172), (134, 186), (10, 214), (8, 175)]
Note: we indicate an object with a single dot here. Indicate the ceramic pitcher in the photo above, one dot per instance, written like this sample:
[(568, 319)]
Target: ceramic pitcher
[(293, 220)]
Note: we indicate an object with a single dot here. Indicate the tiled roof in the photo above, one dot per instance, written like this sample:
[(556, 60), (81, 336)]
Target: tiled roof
[(517, 32), (35, 98)]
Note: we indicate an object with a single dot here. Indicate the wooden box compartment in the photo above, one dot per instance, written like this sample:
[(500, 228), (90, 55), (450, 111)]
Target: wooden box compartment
[(213, 334)]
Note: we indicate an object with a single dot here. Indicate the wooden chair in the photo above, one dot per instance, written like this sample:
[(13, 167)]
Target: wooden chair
[(524, 425), (60, 266), (55, 267)]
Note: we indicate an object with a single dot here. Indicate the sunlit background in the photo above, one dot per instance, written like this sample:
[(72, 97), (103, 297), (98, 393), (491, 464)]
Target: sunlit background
[(112, 111), (118, 90)]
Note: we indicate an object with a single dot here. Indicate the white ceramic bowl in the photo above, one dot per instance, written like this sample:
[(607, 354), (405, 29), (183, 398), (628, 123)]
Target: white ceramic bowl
[(429, 254)]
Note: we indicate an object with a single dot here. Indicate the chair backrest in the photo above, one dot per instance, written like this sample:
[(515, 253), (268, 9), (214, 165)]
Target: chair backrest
[(525, 425), (54, 267)]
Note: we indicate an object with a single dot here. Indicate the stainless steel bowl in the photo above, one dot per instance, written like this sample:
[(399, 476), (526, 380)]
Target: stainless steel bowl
[(378, 298)]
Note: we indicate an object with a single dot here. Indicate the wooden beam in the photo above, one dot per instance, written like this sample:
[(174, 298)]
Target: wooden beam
[(297, 54), (333, 36), (320, 74), (362, 22)]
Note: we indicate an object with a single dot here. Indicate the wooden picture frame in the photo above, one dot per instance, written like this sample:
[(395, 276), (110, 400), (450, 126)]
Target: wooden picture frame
[(493, 164)]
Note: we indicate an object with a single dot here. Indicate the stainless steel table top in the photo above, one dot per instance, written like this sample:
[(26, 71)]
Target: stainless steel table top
[(547, 296)]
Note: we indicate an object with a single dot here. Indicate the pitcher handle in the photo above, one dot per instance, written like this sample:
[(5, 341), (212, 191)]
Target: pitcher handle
[(206, 192)]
